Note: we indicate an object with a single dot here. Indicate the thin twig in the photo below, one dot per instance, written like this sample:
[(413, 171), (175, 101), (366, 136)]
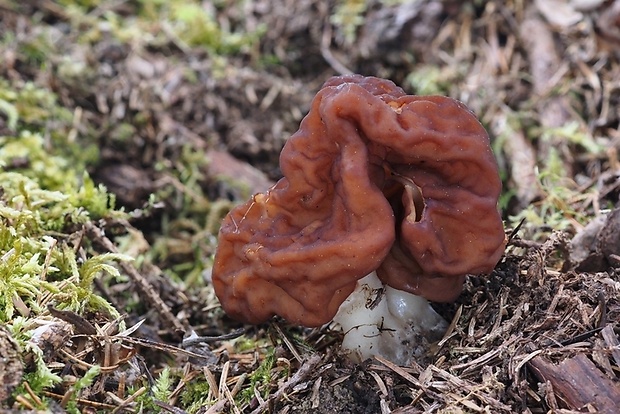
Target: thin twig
[(329, 56), (144, 287), (305, 371)]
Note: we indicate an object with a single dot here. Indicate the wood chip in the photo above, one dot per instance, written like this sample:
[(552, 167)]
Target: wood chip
[(577, 382)]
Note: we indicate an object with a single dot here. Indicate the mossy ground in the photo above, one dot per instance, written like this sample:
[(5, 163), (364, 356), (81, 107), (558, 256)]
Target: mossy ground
[(113, 120)]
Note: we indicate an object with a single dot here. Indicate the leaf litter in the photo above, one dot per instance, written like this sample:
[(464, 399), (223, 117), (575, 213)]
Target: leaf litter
[(160, 106)]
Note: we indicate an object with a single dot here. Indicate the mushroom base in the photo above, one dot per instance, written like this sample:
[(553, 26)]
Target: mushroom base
[(380, 320)]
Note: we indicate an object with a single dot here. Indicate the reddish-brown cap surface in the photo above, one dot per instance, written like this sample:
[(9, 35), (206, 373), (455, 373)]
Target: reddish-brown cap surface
[(373, 180)]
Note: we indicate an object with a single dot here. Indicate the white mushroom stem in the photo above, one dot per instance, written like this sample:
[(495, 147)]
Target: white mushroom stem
[(380, 320)]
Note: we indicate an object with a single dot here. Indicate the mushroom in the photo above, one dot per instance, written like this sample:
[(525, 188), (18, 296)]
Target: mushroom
[(374, 180)]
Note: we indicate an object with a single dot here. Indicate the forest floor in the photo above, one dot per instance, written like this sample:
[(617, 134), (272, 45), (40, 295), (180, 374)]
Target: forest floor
[(180, 110)]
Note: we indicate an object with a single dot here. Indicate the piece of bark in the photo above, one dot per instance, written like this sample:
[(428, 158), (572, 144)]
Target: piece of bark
[(11, 367), (545, 63), (132, 186), (596, 248), (612, 341), (577, 383), (522, 158), (223, 165)]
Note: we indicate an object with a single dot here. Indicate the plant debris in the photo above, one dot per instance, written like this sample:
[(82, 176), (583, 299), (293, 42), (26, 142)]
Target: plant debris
[(128, 129)]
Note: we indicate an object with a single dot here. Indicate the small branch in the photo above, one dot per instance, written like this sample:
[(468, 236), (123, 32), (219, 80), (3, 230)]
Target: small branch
[(144, 287), (578, 382), (329, 56)]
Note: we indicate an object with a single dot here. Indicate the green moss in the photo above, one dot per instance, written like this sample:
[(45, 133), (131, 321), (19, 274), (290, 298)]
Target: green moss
[(189, 23), (572, 132), (160, 390), (163, 385), (34, 107), (80, 384), (259, 379), (30, 255), (561, 205), (86, 4), (188, 236), (45, 197), (40, 376), (195, 25), (44, 145), (428, 80), (348, 16), (11, 113), (195, 396)]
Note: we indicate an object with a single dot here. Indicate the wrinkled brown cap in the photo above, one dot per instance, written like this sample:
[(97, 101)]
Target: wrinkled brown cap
[(373, 180)]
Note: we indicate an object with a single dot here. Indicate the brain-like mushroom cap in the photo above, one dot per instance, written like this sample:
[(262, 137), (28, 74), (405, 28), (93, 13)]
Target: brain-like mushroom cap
[(374, 179)]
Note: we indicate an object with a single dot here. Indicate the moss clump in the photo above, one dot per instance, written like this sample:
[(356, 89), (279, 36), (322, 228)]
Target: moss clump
[(45, 198), (43, 142)]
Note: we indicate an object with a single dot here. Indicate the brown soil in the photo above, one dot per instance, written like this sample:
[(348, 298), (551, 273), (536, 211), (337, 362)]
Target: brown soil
[(527, 71)]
